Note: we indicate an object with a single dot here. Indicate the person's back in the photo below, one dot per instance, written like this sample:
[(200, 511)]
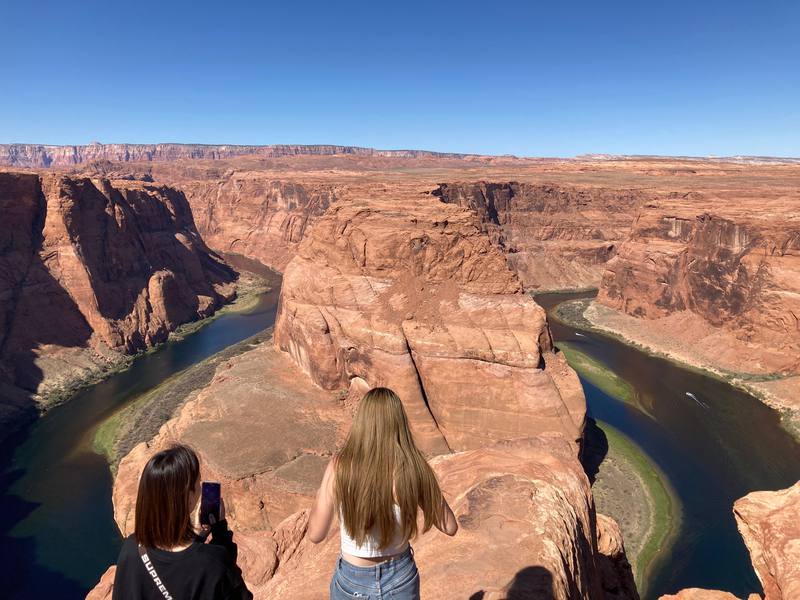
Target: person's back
[(377, 484), (167, 557), (200, 571)]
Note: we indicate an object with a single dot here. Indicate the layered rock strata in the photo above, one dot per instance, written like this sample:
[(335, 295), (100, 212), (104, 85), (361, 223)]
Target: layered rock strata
[(92, 269), (734, 265), (716, 282), (553, 236), (38, 155), (419, 299), (260, 218)]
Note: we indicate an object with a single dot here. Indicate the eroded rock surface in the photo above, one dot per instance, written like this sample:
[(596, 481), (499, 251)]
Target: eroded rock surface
[(733, 262), (554, 236), (91, 269), (261, 428), (419, 299), (524, 507), (526, 531), (258, 217), (770, 525)]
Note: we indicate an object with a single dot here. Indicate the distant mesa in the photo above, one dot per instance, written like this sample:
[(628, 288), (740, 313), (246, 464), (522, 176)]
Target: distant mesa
[(40, 155)]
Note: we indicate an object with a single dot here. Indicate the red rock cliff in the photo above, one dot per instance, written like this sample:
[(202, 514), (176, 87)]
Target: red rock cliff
[(553, 236), (733, 262), (419, 299), (770, 525), (90, 268), (261, 218)]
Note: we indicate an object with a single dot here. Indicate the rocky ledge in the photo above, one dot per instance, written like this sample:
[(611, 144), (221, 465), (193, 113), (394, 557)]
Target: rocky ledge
[(266, 432)]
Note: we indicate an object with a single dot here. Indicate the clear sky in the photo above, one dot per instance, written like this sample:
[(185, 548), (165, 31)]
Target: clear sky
[(528, 78)]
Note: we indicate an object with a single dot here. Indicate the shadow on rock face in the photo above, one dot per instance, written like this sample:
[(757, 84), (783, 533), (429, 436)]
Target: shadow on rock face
[(594, 450), (530, 583)]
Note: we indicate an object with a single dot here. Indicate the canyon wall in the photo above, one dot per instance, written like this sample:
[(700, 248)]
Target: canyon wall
[(92, 269), (39, 155), (262, 218), (420, 300), (732, 263), (553, 236)]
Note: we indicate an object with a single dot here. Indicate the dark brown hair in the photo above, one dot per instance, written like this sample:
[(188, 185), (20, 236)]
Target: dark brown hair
[(163, 514)]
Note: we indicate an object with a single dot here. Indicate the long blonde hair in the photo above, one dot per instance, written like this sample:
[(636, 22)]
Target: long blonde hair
[(380, 466)]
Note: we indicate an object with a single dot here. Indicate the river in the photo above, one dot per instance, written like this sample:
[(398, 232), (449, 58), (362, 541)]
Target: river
[(713, 448), (58, 533)]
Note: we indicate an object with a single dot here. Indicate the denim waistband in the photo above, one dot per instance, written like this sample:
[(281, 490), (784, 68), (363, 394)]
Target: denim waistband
[(375, 572)]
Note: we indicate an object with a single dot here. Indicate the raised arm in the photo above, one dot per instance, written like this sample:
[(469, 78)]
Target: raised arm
[(321, 517), (449, 524)]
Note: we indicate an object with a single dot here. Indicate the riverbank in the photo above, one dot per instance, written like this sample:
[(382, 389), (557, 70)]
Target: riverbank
[(778, 391), (141, 419), (630, 488), (598, 374), (67, 371)]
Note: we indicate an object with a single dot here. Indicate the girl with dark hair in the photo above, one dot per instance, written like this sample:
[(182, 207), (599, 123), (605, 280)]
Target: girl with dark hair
[(167, 557), (378, 484)]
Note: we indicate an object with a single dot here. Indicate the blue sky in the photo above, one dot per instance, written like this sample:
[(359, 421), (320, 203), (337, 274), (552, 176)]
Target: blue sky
[(526, 78)]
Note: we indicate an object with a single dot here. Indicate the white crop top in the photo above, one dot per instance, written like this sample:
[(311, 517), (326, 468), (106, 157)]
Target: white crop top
[(370, 548)]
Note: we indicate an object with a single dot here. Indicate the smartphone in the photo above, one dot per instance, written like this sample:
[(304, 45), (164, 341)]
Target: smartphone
[(209, 502)]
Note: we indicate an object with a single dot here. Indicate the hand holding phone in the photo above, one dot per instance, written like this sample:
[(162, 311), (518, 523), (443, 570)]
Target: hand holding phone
[(210, 503)]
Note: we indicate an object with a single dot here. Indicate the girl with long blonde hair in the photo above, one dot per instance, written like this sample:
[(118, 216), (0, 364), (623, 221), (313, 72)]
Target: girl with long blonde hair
[(378, 483)]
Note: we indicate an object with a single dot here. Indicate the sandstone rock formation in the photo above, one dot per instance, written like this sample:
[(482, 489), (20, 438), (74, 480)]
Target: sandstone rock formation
[(38, 155), (616, 572), (404, 290), (526, 531), (735, 264), (91, 268), (714, 281), (525, 509), (770, 525), (391, 286), (258, 217), (553, 236), (105, 587), (262, 429), (421, 300)]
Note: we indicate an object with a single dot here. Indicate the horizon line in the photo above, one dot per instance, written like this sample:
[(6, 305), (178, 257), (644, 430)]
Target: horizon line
[(434, 153)]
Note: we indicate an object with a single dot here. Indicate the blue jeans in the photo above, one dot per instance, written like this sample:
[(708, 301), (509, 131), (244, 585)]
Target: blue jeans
[(396, 579)]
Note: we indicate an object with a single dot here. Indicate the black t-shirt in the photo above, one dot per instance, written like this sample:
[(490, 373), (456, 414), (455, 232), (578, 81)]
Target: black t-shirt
[(200, 572)]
